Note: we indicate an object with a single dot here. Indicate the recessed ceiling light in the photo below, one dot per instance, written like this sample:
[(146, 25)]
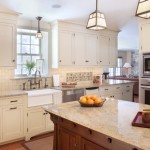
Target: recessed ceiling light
[(56, 6)]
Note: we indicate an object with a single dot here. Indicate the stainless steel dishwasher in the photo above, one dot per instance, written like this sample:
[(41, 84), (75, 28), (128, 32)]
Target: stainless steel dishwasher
[(72, 94)]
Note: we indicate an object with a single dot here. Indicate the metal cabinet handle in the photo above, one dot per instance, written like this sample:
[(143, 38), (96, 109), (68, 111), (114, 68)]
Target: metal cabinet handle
[(13, 60), (13, 108), (134, 149), (118, 88), (45, 113), (106, 89), (109, 140), (86, 61), (127, 90), (59, 60), (75, 145), (14, 101), (90, 131), (100, 61), (74, 125)]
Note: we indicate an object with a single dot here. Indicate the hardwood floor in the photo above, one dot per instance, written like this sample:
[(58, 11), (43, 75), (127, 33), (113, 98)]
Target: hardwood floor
[(18, 145)]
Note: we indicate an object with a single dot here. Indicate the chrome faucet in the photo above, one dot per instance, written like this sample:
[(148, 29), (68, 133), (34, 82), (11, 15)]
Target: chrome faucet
[(35, 76)]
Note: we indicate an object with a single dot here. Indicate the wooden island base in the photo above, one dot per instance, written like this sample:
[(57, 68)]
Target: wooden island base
[(71, 136)]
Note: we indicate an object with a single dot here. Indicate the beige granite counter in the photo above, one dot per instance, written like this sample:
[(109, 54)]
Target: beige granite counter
[(113, 119), (11, 93), (90, 85)]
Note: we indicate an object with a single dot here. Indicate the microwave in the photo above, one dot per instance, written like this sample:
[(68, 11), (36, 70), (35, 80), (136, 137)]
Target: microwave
[(146, 64)]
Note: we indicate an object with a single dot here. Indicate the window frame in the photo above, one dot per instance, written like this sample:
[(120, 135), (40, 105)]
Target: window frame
[(27, 54)]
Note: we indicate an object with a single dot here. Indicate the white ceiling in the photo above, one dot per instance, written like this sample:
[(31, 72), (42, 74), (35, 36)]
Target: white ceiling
[(117, 12)]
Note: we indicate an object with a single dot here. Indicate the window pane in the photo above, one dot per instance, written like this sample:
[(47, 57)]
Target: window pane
[(119, 62), (25, 58), (26, 49), (18, 38), (34, 58), (24, 70), (118, 72), (18, 48), (25, 39), (19, 59), (34, 40), (111, 71), (34, 49), (18, 70)]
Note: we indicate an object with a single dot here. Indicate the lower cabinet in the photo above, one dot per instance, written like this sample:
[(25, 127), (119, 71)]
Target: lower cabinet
[(121, 91), (71, 136), (12, 122), (68, 140), (87, 145), (38, 121)]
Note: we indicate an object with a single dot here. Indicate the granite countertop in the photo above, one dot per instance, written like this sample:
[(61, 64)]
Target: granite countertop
[(90, 85), (113, 119), (11, 93)]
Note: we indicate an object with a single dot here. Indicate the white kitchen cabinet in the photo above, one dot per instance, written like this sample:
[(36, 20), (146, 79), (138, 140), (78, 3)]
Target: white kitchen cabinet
[(73, 45), (8, 39), (38, 121), (91, 44), (79, 49), (12, 122), (144, 38), (65, 48), (103, 51), (113, 51), (128, 92)]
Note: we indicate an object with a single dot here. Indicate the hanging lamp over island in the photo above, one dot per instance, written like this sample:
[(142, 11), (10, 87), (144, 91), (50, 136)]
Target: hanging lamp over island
[(39, 34), (143, 9), (96, 20)]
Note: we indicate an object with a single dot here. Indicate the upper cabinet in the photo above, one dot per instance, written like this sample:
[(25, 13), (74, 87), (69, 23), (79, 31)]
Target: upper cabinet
[(8, 23), (73, 45), (144, 37)]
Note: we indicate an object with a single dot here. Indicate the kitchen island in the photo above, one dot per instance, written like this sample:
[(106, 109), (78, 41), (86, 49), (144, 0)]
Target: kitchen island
[(98, 128)]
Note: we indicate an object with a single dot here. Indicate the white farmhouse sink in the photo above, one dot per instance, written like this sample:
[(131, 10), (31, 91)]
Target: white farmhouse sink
[(43, 97)]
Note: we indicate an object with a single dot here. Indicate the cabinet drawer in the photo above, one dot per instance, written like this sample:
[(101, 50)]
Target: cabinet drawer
[(13, 100), (105, 89), (117, 88), (127, 87)]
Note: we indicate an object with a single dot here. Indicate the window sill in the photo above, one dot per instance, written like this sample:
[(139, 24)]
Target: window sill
[(26, 77)]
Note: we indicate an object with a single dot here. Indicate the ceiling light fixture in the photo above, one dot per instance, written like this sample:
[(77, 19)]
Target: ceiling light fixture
[(96, 20), (39, 34), (143, 9)]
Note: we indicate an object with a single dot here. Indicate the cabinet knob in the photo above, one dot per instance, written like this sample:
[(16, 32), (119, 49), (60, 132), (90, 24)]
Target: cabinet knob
[(90, 131), (75, 145), (74, 125), (100, 61), (13, 60), (59, 60), (109, 140), (86, 61)]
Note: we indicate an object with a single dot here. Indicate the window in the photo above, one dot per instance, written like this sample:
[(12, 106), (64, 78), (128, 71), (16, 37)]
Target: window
[(28, 48), (118, 70)]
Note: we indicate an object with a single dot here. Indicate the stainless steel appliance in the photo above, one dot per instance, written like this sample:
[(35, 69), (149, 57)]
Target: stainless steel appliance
[(145, 85), (72, 94), (146, 64)]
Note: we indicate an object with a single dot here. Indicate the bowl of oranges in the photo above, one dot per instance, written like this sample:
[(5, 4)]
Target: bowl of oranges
[(91, 101)]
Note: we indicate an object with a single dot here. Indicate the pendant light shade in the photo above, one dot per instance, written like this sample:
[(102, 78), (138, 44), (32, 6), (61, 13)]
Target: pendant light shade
[(39, 34), (96, 20), (143, 9)]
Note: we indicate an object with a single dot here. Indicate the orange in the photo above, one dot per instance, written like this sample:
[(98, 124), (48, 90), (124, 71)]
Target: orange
[(83, 100), (88, 96), (90, 101), (82, 97), (98, 100), (93, 97)]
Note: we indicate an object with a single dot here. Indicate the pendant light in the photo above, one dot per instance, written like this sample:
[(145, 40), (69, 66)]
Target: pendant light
[(39, 34), (143, 9), (96, 20)]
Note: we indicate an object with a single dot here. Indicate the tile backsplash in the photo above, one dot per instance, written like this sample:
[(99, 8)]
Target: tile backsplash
[(7, 81), (79, 76)]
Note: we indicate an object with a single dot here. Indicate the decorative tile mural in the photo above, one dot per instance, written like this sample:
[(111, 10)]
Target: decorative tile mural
[(79, 76)]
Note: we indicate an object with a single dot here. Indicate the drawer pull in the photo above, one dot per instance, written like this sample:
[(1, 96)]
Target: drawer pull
[(75, 145), (74, 125), (134, 149), (109, 140), (90, 131), (14, 101), (13, 108), (128, 86), (106, 89), (118, 87), (127, 90)]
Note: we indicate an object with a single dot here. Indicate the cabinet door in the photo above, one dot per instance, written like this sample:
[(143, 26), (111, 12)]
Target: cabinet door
[(79, 49), (145, 32), (91, 50), (12, 122), (128, 92), (87, 145), (36, 121), (113, 52), (65, 48), (49, 124), (103, 51), (8, 45), (67, 140)]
